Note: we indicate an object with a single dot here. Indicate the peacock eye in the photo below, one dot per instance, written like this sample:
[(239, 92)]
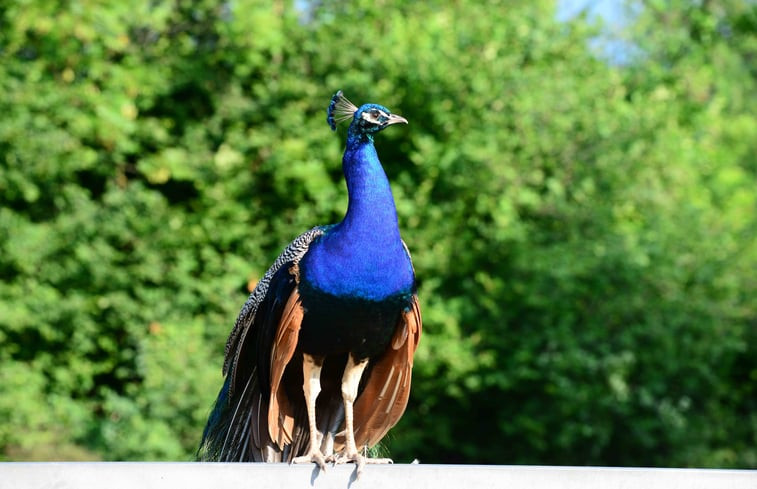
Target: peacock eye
[(375, 113)]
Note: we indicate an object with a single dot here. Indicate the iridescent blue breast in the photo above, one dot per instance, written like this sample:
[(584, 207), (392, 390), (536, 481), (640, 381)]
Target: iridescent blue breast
[(371, 269)]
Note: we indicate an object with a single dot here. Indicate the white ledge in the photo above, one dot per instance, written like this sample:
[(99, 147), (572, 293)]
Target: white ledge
[(162, 475)]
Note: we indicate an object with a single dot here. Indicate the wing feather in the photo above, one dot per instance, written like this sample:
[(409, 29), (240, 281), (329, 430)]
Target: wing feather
[(292, 253), (280, 412), (384, 398), (237, 429)]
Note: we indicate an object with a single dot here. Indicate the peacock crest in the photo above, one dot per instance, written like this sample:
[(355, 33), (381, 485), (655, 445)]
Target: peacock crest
[(340, 110)]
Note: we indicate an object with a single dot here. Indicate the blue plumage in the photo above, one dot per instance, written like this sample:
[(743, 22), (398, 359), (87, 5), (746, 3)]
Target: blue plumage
[(362, 256), (318, 363)]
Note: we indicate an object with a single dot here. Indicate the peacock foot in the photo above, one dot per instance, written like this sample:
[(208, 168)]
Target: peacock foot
[(315, 456), (359, 460)]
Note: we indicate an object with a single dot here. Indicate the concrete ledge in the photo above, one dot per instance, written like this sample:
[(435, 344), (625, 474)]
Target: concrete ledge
[(159, 475)]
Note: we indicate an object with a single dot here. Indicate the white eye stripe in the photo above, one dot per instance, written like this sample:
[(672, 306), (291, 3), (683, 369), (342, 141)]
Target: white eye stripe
[(368, 115)]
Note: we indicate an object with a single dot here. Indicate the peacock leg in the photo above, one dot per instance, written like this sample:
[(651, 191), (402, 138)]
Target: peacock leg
[(311, 372), (350, 383)]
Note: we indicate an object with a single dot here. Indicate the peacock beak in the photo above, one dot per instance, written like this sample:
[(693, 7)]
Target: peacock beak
[(395, 119)]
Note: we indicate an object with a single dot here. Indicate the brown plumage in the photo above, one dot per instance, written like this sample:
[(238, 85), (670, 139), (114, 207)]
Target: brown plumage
[(385, 396)]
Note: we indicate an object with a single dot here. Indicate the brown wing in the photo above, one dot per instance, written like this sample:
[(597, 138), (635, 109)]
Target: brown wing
[(384, 398), (280, 410)]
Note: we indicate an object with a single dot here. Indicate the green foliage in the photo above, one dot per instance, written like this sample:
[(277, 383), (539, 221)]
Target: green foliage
[(583, 233)]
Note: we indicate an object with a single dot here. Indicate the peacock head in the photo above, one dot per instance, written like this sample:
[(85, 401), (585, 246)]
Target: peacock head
[(366, 120)]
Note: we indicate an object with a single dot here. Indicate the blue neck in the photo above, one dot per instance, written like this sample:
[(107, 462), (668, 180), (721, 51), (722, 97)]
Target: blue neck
[(371, 216), (363, 255)]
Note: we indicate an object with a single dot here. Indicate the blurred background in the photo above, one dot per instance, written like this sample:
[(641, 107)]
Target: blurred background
[(577, 184)]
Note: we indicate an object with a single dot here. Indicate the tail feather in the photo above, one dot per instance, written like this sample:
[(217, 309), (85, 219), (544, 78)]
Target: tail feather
[(229, 435)]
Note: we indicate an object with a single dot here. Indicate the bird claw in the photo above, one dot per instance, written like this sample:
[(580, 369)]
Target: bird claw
[(315, 457), (360, 461)]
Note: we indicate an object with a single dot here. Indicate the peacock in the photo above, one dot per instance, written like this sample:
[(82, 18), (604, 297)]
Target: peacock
[(318, 364)]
